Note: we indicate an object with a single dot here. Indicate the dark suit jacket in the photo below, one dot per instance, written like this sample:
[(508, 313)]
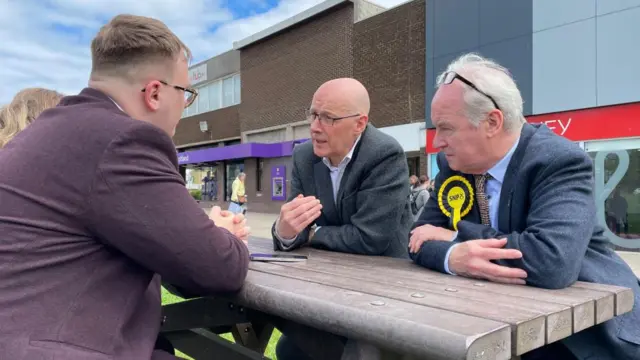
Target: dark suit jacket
[(371, 215), (547, 211), (92, 208)]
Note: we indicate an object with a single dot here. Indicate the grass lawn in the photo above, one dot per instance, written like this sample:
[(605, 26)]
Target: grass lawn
[(168, 298)]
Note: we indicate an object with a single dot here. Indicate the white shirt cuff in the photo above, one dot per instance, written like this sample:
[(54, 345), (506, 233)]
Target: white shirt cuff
[(285, 242), (446, 257)]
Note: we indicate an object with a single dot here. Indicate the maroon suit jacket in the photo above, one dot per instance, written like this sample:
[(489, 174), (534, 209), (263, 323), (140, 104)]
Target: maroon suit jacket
[(92, 210)]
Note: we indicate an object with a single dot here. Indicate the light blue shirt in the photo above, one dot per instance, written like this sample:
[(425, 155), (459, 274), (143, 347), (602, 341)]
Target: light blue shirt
[(493, 189), (336, 173)]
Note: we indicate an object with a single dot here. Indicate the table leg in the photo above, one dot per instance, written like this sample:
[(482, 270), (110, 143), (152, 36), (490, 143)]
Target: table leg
[(192, 325), (204, 345), (254, 335)]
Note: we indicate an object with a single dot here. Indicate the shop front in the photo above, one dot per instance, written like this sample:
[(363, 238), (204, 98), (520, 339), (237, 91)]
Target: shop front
[(611, 137), (209, 173)]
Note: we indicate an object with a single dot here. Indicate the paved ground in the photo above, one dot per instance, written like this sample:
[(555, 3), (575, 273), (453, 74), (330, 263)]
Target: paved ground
[(261, 224)]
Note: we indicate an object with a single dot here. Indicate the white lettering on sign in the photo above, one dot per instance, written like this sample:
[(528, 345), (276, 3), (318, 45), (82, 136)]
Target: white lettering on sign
[(558, 126), (198, 74), (183, 158)]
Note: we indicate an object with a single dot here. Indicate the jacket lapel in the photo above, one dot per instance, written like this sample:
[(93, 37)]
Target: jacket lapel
[(324, 190), (511, 177), (344, 182)]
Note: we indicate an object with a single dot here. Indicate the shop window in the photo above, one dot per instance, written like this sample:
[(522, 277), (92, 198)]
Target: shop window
[(616, 165), (215, 95), (204, 179), (227, 92), (232, 170)]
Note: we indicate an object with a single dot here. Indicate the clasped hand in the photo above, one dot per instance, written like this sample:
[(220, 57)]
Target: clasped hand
[(234, 223)]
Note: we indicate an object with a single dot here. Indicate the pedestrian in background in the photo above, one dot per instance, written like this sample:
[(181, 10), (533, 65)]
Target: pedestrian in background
[(238, 195), (25, 107)]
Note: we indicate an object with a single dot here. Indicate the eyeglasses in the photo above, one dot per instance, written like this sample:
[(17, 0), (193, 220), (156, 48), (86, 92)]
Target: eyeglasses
[(190, 94), (452, 75), (324, 118)]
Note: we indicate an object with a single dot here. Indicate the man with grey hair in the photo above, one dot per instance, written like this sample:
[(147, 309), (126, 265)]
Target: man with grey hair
[(514, 204)]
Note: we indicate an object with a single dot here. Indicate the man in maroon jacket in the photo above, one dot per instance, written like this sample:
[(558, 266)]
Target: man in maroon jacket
[(93, 210)]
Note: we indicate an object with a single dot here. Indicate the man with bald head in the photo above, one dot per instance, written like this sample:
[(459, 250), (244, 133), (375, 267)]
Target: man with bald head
[(349, 186), (514, 204)]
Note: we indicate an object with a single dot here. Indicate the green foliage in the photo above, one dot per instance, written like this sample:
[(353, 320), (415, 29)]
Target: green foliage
[(197, 194)]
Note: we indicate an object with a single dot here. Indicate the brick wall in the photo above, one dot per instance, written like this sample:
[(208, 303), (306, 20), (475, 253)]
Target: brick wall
[(280, 74), (223, 123), (260, 201), (389, 59)]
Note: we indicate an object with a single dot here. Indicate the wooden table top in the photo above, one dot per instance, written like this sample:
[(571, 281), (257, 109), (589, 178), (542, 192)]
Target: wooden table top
[(403, 307)]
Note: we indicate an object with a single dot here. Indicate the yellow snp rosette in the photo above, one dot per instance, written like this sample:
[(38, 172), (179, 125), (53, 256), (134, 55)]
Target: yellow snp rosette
[(455, 198)]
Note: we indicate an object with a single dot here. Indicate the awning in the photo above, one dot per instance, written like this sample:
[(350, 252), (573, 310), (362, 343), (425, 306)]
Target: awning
[(239, 151)]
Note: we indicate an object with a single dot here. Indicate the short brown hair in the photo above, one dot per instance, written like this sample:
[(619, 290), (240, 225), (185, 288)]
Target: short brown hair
[(25, 107), (130, 40)]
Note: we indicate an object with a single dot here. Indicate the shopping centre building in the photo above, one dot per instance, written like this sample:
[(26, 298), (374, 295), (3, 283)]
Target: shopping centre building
[(574, 61), (250, 111)]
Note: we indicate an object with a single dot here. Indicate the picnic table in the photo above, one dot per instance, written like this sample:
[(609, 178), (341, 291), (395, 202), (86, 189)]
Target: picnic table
[(388, 309)]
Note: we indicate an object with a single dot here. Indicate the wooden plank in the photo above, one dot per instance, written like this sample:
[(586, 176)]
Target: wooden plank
[(624, 297), (581, 301), (528, 327), (558, 316), (261, 245), (397, 325)]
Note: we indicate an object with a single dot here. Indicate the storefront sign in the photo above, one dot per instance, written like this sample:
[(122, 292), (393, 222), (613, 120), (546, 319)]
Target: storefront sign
[(278, 183), (558, 126), (198, 74), (608, 122), (183, 158)]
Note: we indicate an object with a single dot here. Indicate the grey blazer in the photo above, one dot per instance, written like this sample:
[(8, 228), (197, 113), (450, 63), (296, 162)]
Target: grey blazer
[(547, 211), (371, 215)]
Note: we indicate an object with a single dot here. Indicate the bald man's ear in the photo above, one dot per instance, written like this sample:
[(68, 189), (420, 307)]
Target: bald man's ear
[(361, 123)]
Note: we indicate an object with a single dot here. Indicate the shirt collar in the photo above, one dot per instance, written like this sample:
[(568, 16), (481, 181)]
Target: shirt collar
[(346, 159), (121, 109), (500, 169)]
